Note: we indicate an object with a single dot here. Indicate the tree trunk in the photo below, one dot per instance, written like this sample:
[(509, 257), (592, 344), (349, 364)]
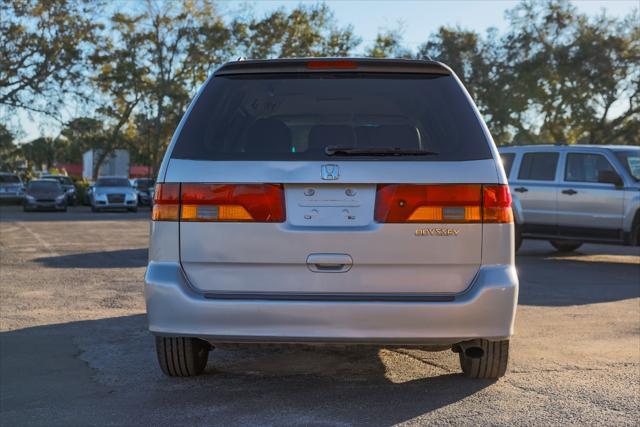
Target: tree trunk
[(96, 165)]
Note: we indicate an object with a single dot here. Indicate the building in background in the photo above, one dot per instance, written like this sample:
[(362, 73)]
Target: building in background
[(115, 164)]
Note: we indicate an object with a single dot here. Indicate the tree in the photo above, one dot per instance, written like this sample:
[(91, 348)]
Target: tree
[(87, 133), (388, 44), (9, 152), (42, 51), (44, 152), (121, 79), (568, 72), (306, 31), (479, 64)]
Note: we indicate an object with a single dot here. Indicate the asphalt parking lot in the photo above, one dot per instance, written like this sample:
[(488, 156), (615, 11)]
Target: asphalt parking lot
[(74, 349)]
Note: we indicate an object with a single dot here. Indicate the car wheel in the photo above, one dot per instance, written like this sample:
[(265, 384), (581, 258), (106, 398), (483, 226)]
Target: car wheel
[(565, 245), (488, 360), (635, 231), (94, 209), (182, 356)]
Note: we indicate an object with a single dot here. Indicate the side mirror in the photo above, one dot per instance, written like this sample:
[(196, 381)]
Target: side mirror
[(610, 177)]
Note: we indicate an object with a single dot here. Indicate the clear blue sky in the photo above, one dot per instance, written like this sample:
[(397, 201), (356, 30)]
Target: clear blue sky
[(417, 18)]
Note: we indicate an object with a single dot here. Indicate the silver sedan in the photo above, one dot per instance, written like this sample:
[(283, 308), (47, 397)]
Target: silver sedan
[(110, 192)]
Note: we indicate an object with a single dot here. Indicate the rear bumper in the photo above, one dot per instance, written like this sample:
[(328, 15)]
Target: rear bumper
[(485, 310), (45, 206)]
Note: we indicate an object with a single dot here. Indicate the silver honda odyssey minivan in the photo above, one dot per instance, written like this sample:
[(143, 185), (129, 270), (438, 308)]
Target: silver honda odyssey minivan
[(330, 201)]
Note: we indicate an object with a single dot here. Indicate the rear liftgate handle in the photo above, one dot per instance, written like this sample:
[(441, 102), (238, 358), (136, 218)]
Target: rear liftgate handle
[(329, 263)]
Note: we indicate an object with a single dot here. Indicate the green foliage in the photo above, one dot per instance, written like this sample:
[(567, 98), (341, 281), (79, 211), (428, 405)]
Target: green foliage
[(9, 152), (389, 45), (41, 51), (306, 31), (82, 185)]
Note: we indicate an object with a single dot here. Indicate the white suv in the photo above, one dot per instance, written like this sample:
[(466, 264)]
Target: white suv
[(571, 194), (332, 201)]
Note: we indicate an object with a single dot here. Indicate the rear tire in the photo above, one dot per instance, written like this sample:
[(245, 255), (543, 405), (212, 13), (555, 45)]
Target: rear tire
[(182, 356), (565, 245), (635, 231), (492, 364)]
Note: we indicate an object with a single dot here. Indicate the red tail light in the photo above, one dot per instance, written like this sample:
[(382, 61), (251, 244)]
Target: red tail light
[(166, 202), (497, 204), (232, 202), (219, 202), (455, 203)]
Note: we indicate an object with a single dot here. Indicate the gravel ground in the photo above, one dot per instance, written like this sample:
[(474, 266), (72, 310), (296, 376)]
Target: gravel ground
[(74, 349)]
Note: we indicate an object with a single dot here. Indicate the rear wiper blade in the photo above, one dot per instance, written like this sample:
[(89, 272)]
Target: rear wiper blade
[(376, 151)]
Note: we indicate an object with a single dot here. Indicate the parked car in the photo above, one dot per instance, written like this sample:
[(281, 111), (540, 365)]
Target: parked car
[(45, 194), (572, 194), (11, 188), (332, 201), (67, 185), (112, 192), (145, 189)]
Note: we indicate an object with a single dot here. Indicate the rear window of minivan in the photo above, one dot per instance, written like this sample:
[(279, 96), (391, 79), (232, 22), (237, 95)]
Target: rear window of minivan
[(296, 116)]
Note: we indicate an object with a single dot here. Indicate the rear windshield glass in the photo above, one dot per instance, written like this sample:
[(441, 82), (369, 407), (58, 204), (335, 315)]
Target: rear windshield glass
[(44, 186), (65, 180), (144, 183), (296, 116), (9, 179), (112, 182)]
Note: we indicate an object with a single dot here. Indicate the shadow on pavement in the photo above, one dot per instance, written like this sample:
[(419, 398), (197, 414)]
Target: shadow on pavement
[(104, 371), (558, 281), (124, 258), (74, 213)]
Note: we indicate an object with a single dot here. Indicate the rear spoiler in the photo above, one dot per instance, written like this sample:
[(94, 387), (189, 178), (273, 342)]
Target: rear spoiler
[(314, 65)]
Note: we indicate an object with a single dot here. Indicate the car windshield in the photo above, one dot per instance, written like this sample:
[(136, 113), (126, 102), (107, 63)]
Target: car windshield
[(112, 182), (65, 180), (144, 183), (321, 116), (44, 186), (9, 179), (630, 159)]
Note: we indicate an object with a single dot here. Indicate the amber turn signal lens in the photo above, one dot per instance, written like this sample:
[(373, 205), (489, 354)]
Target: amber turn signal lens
[(165, 213)]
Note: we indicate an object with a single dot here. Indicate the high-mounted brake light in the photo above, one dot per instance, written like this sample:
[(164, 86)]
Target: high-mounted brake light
[(232, 202), (448, 203), (330, 65), (166, 202)]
